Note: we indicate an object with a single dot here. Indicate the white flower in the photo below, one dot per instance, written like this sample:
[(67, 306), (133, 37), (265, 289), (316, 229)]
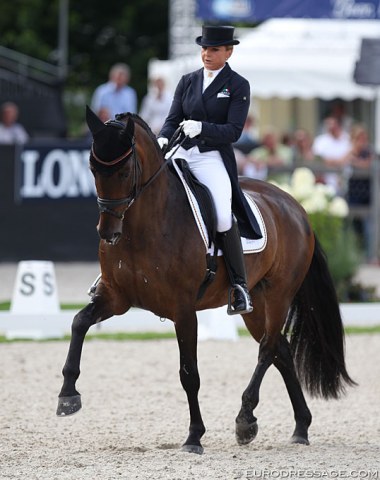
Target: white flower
[(315, 203), (314, 197), (301, 177), (327, 190), (338, 207)]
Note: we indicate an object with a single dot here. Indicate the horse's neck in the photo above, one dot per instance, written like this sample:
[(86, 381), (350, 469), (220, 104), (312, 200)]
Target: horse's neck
[(163, 203), (163, 200)]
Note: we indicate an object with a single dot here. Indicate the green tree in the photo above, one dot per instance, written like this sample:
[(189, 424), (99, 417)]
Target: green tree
[(100, 34)]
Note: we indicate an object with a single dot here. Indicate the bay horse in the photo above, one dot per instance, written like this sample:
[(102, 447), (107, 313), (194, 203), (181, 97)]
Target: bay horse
[(152, 257)]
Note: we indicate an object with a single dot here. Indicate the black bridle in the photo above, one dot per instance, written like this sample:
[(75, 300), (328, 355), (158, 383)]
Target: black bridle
[(107, 205)]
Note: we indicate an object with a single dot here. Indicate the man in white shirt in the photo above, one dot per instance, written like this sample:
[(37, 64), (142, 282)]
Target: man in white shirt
[(115, 95), (332, 147)]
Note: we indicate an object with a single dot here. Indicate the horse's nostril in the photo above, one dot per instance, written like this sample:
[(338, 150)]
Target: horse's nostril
[(109, 236), (116, 238)]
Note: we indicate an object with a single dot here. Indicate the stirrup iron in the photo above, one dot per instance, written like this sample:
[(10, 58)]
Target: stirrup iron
[(248, 303)]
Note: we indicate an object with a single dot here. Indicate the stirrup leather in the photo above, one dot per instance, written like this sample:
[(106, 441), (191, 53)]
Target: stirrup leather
[(248, 305)]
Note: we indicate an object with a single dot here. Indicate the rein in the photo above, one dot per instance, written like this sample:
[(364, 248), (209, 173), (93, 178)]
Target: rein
[(105, 205)]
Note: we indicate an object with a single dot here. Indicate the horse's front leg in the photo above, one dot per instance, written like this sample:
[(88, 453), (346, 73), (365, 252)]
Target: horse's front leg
[(186, 331), (69, 400)]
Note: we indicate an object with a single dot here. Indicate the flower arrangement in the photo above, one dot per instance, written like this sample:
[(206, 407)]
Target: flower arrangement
[(328, 215)]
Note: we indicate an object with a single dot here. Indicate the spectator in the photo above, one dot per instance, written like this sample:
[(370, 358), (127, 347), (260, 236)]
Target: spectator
[(361, 154), (116, 95), (360, 158), (271, 154), (11, 132), (156, 104), (332, 148), (103, 88), (302, 147)]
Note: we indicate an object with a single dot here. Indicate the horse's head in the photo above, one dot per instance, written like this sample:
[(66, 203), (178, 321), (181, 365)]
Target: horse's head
[(116, 170)]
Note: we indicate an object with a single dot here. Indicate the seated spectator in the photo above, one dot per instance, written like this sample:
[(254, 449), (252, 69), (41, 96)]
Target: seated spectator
[(248, 140), (302, 147), (11, 132), (156, 104), (331, 148), (269, 155)]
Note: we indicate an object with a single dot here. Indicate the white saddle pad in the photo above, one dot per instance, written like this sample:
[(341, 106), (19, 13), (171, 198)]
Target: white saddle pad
[(249, 245)]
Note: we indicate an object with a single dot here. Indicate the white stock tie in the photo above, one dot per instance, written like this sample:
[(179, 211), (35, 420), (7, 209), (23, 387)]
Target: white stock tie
[(208, 78)]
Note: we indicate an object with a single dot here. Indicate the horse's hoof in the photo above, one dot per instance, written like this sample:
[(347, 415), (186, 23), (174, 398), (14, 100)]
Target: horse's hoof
[(68, 405), (198, 449), (300, 440), (246, 432)]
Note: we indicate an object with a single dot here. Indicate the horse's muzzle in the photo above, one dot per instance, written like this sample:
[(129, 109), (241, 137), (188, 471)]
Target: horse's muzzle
[(109, 236)]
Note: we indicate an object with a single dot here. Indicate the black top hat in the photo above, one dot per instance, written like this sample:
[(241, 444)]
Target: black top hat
[(213, 36)]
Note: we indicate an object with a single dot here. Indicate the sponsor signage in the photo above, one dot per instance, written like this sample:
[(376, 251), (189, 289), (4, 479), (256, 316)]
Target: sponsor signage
[(55, 172), (257, 10)]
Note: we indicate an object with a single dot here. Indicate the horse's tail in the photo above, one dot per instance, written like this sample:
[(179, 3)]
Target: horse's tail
[(315, 329)]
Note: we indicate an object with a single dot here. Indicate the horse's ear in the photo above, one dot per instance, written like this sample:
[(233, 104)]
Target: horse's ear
[(93, 121), (128, 131)]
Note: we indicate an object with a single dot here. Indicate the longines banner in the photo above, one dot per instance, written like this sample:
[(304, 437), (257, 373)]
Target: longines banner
[(256, 10), (56, 172), (48, 208)]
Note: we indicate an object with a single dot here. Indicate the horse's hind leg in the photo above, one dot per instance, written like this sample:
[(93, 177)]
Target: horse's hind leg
[(186, 331), (69, 400), (284, 362), (246, 422), (264, 324)]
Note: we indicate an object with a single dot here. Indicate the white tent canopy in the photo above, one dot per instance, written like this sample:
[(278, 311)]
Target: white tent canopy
[(288, 58)]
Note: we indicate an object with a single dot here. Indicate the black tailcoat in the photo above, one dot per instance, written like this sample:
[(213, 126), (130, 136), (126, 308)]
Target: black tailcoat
[(222, 109)]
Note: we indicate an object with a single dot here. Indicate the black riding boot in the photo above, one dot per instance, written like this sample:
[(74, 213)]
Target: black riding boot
[(230, 244)]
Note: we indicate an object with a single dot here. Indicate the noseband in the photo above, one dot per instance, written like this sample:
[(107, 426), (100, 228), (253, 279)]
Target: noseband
[(107, 205)]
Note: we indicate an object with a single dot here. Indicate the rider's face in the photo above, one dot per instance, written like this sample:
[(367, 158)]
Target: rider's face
[(214, 58)]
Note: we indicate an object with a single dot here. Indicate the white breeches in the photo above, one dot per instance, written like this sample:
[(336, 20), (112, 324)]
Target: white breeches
[(209, 169)]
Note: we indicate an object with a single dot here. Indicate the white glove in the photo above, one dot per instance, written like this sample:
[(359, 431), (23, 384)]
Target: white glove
[(162, 142), (191, 128)]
